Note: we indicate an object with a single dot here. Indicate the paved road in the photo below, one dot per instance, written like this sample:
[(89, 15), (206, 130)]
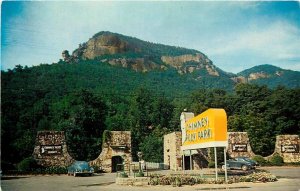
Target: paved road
[(285, 172), (290, 181)]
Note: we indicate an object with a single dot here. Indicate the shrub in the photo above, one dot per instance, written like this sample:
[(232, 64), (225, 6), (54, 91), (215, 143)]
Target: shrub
[(123, 175), (276, 160), (260, 159), (211, 164), (27, 164), (258, 177), (55, 170), (179, 180), (176, 182), (293, 164)]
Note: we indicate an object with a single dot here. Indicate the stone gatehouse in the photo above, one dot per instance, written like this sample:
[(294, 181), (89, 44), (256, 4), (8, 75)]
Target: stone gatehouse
[(51, 150)]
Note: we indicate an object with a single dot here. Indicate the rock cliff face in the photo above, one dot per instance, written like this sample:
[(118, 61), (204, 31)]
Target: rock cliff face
[(141, 56), (105, 44), (189, 63), (250, 77), (256, 76), (137, 64), (177, 61)]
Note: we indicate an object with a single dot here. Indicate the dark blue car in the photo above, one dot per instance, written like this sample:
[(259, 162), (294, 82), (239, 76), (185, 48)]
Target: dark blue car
[(246, 159), (80, 167), (239, 164)]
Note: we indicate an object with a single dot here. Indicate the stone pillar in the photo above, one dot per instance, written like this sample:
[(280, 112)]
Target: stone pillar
[(287, 146), (51, 149), (239, 145), (172, 152)]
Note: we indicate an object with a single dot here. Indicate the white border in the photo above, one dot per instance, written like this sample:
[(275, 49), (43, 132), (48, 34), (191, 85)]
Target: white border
[(205, 145)]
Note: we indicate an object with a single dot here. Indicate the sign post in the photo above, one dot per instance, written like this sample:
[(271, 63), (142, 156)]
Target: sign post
[(183, 166), (191, 162), (206, 130), (216, 163), (225, 163)]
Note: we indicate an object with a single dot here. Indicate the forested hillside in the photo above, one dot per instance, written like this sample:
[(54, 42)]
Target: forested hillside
[(86, 98), (271, 76)]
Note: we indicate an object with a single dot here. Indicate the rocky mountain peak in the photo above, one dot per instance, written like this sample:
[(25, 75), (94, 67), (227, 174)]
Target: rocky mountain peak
[(105, 44), (141, 56)]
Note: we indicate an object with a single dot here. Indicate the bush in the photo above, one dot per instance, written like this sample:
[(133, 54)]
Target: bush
[(211, 164), (260, 159), (258, 177), (55, 170), (293, 164), (27, 164), (183, 179), (276, 160)]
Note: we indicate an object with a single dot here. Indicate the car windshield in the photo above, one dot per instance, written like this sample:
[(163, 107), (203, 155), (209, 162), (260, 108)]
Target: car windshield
[(82, 164), (249, 160)]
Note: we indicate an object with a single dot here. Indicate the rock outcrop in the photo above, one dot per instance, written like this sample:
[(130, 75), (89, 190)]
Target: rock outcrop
[(258, 75), (253, 76), (189, 63), (140, 56), (136, 64), (105, 44)]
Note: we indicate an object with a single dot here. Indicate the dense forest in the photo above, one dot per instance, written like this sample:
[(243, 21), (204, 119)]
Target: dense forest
[(87, 98)]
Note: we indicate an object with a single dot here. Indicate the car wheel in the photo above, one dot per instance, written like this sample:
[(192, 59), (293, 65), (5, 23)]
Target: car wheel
[(244, 168)]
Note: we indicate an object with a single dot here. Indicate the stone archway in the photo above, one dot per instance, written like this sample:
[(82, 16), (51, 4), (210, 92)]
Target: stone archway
[(117, 143), (115, 163)]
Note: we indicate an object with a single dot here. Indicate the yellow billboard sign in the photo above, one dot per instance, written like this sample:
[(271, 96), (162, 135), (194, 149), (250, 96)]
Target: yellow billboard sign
[(208, 129)]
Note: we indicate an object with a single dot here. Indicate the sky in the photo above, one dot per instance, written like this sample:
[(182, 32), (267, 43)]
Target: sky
[(235, 35)]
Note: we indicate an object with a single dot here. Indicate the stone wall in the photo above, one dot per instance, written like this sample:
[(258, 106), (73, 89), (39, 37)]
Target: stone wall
[(288, 146), (51, 149), (137, 181), (117, 143), (239, 145)]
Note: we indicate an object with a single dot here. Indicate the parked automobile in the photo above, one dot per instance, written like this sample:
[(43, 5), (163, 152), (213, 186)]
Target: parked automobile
[(80, 167), (246, 159), (238, 164)]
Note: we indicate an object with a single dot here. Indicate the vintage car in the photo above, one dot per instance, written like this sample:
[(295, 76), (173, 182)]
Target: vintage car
[(80, 167), (246, 159), (238, 164)]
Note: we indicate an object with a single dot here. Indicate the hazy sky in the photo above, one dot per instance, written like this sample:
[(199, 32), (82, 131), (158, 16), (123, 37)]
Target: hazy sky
[(234, 35)]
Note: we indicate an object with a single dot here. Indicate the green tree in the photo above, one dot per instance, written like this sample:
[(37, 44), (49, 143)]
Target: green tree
[(82, 116), (152, 145)]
